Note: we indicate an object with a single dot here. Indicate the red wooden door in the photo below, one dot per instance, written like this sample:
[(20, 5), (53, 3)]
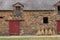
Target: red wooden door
[(14, 27), (58, 26)]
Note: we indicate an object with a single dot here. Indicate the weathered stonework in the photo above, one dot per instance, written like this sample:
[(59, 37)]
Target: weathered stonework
[(32, 24)]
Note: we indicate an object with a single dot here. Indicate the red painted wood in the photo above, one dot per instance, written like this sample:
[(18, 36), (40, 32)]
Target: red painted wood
[(14, 27), (58, 26)]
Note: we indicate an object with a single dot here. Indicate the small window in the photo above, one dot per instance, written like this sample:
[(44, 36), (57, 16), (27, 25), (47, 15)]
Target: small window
[(58, 9), (45, 20), (17, 11), (18, 8), (1, 17)]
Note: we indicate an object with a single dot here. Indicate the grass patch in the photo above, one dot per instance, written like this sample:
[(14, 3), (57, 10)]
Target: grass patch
[(41, 38)]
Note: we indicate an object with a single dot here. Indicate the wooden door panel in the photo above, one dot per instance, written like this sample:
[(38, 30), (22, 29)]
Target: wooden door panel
[(58, 26), (14, 27)]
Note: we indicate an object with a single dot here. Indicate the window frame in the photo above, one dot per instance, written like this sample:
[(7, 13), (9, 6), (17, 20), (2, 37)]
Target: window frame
[(17, 11), (45, 20), (58, 8)]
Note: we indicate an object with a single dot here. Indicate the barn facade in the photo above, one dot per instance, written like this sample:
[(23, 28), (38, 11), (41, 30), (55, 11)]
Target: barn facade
[(29, 18)]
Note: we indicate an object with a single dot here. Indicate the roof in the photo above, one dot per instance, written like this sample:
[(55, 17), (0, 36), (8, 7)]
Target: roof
[(18, 3), (29, 4)]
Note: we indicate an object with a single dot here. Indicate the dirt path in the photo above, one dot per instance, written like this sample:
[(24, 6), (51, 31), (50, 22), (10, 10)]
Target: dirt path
[(28, 36)]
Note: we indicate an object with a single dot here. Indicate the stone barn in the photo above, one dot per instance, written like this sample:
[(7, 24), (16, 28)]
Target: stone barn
[(29, 17)]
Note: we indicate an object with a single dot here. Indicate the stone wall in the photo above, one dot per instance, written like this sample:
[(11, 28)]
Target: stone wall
[(32, 24), (4, 25)]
